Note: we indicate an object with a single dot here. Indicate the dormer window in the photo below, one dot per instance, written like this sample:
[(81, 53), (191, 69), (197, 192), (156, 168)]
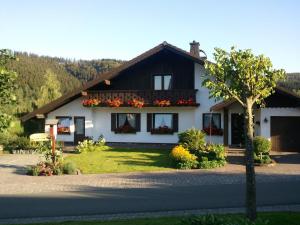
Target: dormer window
[(162, 82)]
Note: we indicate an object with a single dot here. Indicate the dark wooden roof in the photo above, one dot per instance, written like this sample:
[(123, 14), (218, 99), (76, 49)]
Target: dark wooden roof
[(278, 90), (108, 76)]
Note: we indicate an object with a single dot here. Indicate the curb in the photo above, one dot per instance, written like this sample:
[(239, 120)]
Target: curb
[(121, 216)]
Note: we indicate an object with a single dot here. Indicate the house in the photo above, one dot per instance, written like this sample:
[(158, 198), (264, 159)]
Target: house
[(154, 96)]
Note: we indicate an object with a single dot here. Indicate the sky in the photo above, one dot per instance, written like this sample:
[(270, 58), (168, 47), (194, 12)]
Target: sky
[(123, 29)]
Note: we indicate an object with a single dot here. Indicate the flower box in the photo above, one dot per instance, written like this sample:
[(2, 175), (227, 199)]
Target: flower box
[(186, 102), (116, 102), (91, 102), (137, 103), (162, 102), (213, 131), (162, 130), (126, 129)]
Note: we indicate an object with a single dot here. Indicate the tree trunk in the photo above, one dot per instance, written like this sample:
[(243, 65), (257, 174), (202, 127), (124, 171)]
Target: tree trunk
[(250, 172)]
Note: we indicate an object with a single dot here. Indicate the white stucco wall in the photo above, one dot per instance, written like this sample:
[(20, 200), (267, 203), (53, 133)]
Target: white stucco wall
[(72, 109), (205, 103), (266, 113), (102, 124), (98, 120)]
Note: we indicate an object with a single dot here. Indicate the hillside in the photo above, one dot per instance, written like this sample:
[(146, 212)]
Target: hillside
[(32, 69), (71, 74), (292, 82)]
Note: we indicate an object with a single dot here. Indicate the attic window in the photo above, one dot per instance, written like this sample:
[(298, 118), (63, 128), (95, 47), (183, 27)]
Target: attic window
[(162, 82)]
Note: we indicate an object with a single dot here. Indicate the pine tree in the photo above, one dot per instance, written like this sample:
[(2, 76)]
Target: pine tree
[(50, 90)]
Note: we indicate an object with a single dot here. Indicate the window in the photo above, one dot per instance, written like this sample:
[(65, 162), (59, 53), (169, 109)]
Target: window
[(212, 120), (63, 126), (162, 123), (162, 82), (212, 124), (125, 122)]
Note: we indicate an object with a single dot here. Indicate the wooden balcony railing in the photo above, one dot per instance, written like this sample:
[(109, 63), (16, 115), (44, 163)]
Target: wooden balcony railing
[(175, 97)]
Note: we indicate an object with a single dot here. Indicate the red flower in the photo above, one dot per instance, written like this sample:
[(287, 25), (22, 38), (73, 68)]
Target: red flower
[(183, 101), (116, 102), (136, 103), (162, 102), (91, 102)]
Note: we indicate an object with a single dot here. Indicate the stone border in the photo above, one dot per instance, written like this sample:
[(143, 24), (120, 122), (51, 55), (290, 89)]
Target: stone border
[(123, 216), (22, 152)]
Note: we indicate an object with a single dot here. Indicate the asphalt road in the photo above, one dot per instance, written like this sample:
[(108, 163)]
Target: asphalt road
[(110, 201)]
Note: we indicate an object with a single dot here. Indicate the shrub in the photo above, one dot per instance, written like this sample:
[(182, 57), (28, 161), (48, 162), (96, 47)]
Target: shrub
[(69, 168), (183, 158), (216, 151), (86, 146), (33, 171), (192, 139), (18, 143), (205, 164), (101, 140), (261, 145), (263, 159)]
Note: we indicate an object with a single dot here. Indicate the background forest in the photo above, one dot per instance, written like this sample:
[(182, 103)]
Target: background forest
[(42, 79)]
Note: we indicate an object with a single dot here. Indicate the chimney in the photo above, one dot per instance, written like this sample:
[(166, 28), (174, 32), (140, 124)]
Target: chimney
[(195, 49)]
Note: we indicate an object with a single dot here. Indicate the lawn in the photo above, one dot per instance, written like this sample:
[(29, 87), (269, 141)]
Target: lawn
[(274, 218), (117, 160)]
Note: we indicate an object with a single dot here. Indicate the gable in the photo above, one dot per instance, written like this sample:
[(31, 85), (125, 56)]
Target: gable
[(109, 76), (140, 76)]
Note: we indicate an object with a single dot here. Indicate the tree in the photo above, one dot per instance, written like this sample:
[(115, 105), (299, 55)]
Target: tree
[(7, 86), (248, 79), (50, 90)]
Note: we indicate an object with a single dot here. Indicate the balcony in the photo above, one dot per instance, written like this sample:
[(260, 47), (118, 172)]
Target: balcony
[(147, 98)]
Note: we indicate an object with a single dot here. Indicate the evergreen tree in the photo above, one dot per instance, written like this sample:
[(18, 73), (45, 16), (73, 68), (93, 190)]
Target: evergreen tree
[(50, 90)]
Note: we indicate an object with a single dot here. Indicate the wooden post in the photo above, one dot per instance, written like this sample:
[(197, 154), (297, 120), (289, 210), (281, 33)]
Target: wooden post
[(52, 142)]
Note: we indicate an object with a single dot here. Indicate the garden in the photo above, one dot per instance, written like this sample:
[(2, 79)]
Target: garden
[(92, 157)]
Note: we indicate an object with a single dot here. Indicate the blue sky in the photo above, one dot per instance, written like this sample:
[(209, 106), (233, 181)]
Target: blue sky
[(123, 29)]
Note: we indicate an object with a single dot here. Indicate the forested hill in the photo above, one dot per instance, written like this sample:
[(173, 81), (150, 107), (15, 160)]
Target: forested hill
[(33, 77), (38, 74), (292, 82)]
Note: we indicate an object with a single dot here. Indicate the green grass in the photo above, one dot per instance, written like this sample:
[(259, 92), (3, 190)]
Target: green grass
[(274, 218), (117, 160)]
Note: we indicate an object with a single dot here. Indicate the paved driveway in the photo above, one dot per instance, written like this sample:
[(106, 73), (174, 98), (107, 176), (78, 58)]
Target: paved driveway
[(14, 181), (31, 197)]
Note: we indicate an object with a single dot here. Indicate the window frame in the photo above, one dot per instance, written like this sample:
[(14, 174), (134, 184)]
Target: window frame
[(64, 117), (212, 114), (162, 85), (153, 119), (136, 127)]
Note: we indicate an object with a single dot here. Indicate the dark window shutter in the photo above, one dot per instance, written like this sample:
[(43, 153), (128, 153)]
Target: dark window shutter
[(149, 122), (138, 122), (175, 122), (113, 121)]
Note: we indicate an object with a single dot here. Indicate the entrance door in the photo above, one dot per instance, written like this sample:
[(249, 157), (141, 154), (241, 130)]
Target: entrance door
[(237, 129), (79, 132)]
